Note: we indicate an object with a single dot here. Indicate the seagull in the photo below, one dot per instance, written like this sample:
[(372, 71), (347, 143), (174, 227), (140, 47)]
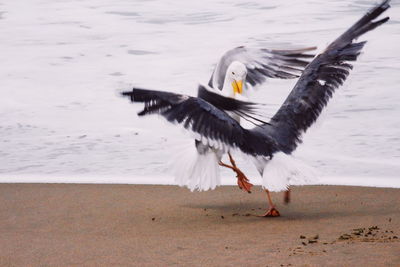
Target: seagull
[(255, 66), (213, 117), (252, 67)]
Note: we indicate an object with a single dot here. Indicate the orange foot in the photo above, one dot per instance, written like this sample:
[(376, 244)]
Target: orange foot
[(272, 212), (243, 181)]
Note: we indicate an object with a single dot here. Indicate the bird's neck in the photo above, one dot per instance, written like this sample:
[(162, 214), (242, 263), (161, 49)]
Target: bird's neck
[(227, 89)]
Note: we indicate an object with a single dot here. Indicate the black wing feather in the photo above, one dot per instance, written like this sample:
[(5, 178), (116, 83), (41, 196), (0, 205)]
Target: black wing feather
[(203, 118), (224, 103), (246, 110), (319, 81)]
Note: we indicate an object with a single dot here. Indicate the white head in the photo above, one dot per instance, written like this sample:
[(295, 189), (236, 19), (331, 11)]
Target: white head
[(235, 77)]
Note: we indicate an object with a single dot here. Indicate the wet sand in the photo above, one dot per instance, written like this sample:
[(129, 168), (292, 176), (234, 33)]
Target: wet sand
[(142, 225)]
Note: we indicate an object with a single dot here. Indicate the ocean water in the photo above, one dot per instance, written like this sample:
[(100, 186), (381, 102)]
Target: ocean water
[(63, 63)]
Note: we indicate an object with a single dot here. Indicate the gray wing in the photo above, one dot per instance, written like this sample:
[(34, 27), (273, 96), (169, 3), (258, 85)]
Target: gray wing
[(262, 64), (318, 82)]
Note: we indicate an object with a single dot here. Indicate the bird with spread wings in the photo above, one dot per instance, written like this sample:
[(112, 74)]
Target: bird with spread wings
[(214, 115)]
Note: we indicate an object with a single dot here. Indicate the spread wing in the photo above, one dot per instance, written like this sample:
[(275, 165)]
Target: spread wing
[(262, 64), (211, 125), (319, 81)]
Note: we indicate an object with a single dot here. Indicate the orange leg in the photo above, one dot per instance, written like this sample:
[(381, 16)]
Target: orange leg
[(272, 211), (243, 181)]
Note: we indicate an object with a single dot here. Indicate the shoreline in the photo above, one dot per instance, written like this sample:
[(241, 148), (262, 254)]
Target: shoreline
[(169, 180)]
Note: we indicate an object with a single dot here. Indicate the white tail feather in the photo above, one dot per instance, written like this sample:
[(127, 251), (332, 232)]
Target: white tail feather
[(197, 172), (284, 170)]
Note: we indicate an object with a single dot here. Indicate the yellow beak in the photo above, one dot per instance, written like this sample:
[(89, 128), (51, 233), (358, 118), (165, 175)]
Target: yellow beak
[(237, 87)]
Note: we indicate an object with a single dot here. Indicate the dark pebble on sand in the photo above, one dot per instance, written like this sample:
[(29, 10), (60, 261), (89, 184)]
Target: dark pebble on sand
[(344, 237)]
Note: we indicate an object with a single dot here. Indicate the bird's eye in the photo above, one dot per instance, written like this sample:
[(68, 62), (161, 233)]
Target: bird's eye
[(233, 73)]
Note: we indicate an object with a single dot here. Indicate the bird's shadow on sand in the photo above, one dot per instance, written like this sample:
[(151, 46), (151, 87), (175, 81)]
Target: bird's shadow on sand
[(290, 212)]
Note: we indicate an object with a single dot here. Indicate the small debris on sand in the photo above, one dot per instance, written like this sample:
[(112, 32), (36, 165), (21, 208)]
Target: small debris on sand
[(370, 234), (344, 237)]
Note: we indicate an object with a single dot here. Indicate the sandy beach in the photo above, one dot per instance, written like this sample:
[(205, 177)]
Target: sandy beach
[(143, 225)]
